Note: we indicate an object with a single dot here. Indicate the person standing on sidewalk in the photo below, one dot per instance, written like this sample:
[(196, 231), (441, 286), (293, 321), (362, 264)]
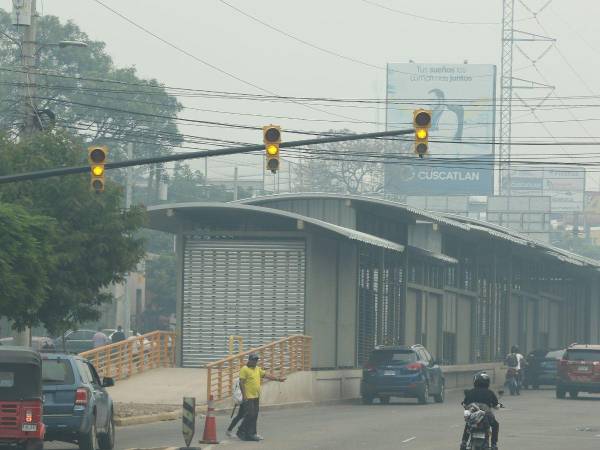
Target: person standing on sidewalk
[(100, 339), (250, 380)]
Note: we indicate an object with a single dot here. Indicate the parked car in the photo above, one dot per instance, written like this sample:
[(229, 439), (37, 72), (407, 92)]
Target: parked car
[(542, 368), (76, 341), (579, 371), (402, 372), (77, 407), (38, 343)]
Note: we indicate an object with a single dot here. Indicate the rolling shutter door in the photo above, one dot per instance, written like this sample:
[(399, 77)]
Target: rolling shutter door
[(249, 288)]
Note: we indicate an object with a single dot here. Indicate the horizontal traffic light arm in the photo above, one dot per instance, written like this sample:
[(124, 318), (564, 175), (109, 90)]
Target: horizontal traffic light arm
[(49, 173)]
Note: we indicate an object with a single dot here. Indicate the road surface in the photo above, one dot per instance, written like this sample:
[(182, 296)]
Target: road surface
[(534, 421)]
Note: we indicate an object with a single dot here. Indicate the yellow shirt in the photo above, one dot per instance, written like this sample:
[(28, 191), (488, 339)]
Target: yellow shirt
[(251, 378)]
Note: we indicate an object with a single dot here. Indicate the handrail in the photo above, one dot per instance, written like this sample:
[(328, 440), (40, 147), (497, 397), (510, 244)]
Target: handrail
[(134, 355), (281, 358)]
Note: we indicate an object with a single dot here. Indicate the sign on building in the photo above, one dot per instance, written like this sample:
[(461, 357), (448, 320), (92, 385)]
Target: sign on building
[(564, 186), (462, 100)]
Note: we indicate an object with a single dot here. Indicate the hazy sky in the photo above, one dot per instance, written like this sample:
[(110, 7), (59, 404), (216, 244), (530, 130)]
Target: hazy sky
[(357, 29)]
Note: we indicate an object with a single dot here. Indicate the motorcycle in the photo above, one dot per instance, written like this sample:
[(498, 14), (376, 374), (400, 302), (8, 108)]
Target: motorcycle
[(512, 381), (478, 427)]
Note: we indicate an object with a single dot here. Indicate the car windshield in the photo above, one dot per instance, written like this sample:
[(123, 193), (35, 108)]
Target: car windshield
[(393, 357), (583, 355), (55, 371), (556, 354)]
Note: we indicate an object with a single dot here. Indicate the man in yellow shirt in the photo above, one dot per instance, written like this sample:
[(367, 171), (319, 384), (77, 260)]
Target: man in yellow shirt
[(250, 379)]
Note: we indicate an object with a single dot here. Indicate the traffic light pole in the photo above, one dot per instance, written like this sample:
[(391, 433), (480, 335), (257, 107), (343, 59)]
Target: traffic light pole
[(49, 173)]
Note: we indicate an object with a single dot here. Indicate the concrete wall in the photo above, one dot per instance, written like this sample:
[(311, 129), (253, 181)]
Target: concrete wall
[(424, 236)]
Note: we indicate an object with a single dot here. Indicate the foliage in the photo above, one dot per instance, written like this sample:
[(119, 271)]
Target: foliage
[(95, 244), (578, 245), (161, 286), (124, 108), (26, 258), (344, 167)]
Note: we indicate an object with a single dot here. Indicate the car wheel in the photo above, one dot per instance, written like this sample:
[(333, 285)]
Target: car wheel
[(560, 393), (439, 398), (106, 441), (424, 395), (385, 400), (89, 440), (573, 394), (367, 400)]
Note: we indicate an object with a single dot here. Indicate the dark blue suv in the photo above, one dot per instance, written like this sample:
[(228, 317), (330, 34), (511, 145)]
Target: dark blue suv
[(402, 372), (77, 408)]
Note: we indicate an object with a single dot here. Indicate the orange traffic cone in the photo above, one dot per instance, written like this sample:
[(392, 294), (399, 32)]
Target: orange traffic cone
[(210, 425)]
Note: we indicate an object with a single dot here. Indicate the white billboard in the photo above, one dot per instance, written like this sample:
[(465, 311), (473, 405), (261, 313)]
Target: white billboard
[(565, 186), (462, 99)]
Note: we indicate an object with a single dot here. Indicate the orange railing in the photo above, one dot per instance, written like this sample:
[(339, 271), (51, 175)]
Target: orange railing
[(134, 355), (279, 358)]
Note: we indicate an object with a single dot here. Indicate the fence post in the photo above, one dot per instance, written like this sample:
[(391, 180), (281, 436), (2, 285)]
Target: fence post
[(130, 358), (281, 359), (220, 382), (208, 382)]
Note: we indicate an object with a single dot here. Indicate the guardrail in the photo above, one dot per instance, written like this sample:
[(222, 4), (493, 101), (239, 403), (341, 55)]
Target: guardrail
[(134, 355), (279, 358)]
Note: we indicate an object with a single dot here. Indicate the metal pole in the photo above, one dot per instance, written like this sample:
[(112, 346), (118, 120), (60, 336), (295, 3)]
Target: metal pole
[(235, 183), (128, 196)]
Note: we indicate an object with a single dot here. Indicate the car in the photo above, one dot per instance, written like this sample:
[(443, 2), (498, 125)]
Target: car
[(542, 368), (402, 371), (76, 341), (38, 343), (77, 407), (579, 371)]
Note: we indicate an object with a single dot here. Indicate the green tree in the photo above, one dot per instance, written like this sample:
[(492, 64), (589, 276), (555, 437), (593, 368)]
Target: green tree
[(26, 259), (124, 108), (345, 167), (95, 244)]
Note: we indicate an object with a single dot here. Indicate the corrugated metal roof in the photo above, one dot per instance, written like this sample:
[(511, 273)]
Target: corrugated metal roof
[(342, 231), (462, 223), (418, 213), (439, 256)]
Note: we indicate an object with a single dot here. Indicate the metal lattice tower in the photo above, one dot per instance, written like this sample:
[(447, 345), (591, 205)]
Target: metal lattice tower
[(510, 39)]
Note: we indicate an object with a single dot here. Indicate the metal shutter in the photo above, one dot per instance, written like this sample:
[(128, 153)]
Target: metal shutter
[(249, 288)]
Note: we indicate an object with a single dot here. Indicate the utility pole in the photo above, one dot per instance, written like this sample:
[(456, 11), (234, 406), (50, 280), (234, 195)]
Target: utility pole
[(28, 54), (28, 50), (128, 195)]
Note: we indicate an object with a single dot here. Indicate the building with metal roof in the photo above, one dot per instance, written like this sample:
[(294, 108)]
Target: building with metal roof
[(355, 272)]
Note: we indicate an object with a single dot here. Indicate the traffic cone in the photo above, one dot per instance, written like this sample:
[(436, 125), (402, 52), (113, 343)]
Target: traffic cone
[(210, 425)]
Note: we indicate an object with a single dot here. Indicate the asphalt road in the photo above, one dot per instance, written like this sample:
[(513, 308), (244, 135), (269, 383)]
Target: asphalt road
[(533, 421)]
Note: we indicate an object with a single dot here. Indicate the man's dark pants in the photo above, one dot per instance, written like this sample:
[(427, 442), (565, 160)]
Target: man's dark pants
[(248, 427)]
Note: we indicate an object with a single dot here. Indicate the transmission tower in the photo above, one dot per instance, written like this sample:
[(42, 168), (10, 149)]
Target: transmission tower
[(509, 84)]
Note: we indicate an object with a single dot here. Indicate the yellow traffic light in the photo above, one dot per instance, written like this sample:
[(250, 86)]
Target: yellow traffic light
[(97, 159), (272, 139), (421, 124)]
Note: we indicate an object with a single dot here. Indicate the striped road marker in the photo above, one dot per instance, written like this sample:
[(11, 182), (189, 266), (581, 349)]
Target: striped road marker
[(189, 419)]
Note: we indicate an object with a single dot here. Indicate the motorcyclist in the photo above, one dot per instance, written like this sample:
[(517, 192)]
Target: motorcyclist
[(482, 394), (515, 360)]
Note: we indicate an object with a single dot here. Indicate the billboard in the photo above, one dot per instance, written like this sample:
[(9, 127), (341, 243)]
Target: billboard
[(462, 100), (564, 186)]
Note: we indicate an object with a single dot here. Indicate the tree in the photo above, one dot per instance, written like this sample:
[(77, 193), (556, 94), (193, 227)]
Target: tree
[(121, 109), (346, 167), (26, 259), (95, 244)]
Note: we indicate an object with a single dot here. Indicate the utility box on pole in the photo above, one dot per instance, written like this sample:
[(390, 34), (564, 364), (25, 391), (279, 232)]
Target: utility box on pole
[(22, 12)]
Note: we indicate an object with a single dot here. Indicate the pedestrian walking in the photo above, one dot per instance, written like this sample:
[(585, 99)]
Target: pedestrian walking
[(100, 339), (250, 382)]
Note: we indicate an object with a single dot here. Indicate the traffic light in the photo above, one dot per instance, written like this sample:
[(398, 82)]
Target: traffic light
[(421, 124), (97, 159), (272, 139)]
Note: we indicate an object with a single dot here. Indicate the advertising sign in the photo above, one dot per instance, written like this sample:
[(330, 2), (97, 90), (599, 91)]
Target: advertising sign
[(565, 186), (461, 150)]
